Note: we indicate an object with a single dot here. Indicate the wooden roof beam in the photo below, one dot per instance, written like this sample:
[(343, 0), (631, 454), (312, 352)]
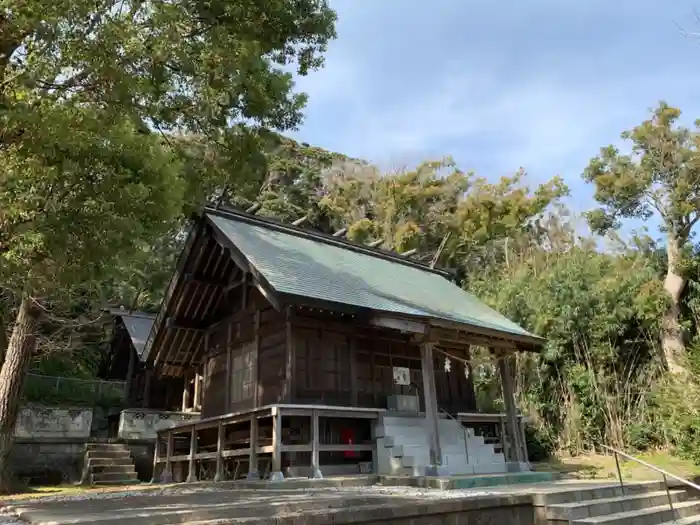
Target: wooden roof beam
[(208, 281), (183, 324), (402, 325)]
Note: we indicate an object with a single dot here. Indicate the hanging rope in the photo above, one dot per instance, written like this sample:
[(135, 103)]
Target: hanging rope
[(493, 359)]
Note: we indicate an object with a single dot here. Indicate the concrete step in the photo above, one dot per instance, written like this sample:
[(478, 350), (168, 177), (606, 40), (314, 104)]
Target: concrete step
[(402, 464), (487, 458), (649, 516), (107, 454), (489, 468), (100, 462), (593, 491), (111, 469), (113, 477), (112, 483), (690, 520), (105, 445), (600, 507), (109, 464)]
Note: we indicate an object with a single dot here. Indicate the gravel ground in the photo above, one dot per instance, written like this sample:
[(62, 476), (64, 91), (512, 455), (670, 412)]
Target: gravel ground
[(7, 518), (180, 491)]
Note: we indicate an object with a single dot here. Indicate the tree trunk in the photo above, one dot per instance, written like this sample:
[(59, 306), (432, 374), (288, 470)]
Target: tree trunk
[(3, 341), (15, 367), (671, 332)]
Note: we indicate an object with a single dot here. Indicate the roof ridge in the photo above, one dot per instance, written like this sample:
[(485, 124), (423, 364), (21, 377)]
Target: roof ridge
[(275, 224)]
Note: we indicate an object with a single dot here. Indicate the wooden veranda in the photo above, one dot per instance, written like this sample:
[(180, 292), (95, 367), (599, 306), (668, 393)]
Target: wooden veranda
[(249, 439)]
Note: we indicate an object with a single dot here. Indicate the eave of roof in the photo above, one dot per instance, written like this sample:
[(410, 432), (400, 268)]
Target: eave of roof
[(138, 325)]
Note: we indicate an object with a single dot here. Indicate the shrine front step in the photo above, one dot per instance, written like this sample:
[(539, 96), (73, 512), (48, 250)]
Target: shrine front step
[(108, 464), (468, 482)]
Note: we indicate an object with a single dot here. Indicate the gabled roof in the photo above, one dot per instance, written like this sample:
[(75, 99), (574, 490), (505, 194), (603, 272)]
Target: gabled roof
[(138, 325), (299, 264)]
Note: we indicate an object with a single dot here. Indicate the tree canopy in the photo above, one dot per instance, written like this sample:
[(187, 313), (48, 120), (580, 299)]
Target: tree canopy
[(102, 105), (661, 176)]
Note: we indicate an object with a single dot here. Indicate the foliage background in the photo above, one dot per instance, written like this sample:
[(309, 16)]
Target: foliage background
[(598, 299)]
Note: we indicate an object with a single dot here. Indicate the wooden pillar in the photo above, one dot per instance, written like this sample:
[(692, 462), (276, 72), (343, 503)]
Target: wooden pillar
[(192, 472), (155, 477), (229, 360), (244, 291), (129, 377), (315, 442), (523, 439), (147, 390), (289, 385), (352, 347), (504, 438), (168, 469), (276, 472), (202, 382), (504, 365), (197, 405), (373, 375), (256, 360), (220, 434), (469, 384), (186, 393), (431, 408), (253, 469)]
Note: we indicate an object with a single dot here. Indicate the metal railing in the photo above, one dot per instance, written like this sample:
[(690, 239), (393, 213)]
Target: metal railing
[(445, 412), (665, 474)]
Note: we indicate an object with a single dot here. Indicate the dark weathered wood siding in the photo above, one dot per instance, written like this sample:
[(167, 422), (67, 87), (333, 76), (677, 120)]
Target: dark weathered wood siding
[(261, 356), (273, 386), (341, 362), (246, 359)]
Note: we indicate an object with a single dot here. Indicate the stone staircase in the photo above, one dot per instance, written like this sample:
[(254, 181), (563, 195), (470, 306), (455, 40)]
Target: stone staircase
[(639, 504), (403, 448), (108, 464)]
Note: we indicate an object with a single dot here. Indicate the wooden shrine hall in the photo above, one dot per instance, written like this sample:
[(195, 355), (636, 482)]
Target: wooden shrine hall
[(310, 355)]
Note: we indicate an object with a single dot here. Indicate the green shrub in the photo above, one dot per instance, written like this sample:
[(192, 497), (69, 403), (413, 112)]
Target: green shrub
[(539, 444)]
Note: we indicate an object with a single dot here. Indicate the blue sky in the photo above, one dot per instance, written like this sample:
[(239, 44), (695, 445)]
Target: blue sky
[(500, 84)]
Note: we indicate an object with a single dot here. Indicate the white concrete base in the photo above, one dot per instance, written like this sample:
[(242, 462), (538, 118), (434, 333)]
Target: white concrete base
[(403, 449)]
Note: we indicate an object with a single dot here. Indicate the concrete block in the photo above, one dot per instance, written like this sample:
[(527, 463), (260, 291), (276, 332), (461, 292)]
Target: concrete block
[(401, 403), (34, 422), (490, 468)]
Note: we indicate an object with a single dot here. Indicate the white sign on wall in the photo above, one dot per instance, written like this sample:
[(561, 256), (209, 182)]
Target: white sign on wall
[(402, 376)]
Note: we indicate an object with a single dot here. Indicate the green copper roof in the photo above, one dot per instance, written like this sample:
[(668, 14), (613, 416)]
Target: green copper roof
[(308, 265)]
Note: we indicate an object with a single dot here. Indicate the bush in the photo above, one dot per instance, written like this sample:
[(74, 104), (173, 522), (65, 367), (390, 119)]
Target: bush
[(49, 390), (644, 436), (539, 444)]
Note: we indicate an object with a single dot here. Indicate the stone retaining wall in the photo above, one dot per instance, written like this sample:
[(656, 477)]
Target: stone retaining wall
[(143, 424), (489, 510), (37, 421), (47, 461)]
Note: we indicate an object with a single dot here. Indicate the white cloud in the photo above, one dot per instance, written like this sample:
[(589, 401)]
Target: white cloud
[(545, 93)]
